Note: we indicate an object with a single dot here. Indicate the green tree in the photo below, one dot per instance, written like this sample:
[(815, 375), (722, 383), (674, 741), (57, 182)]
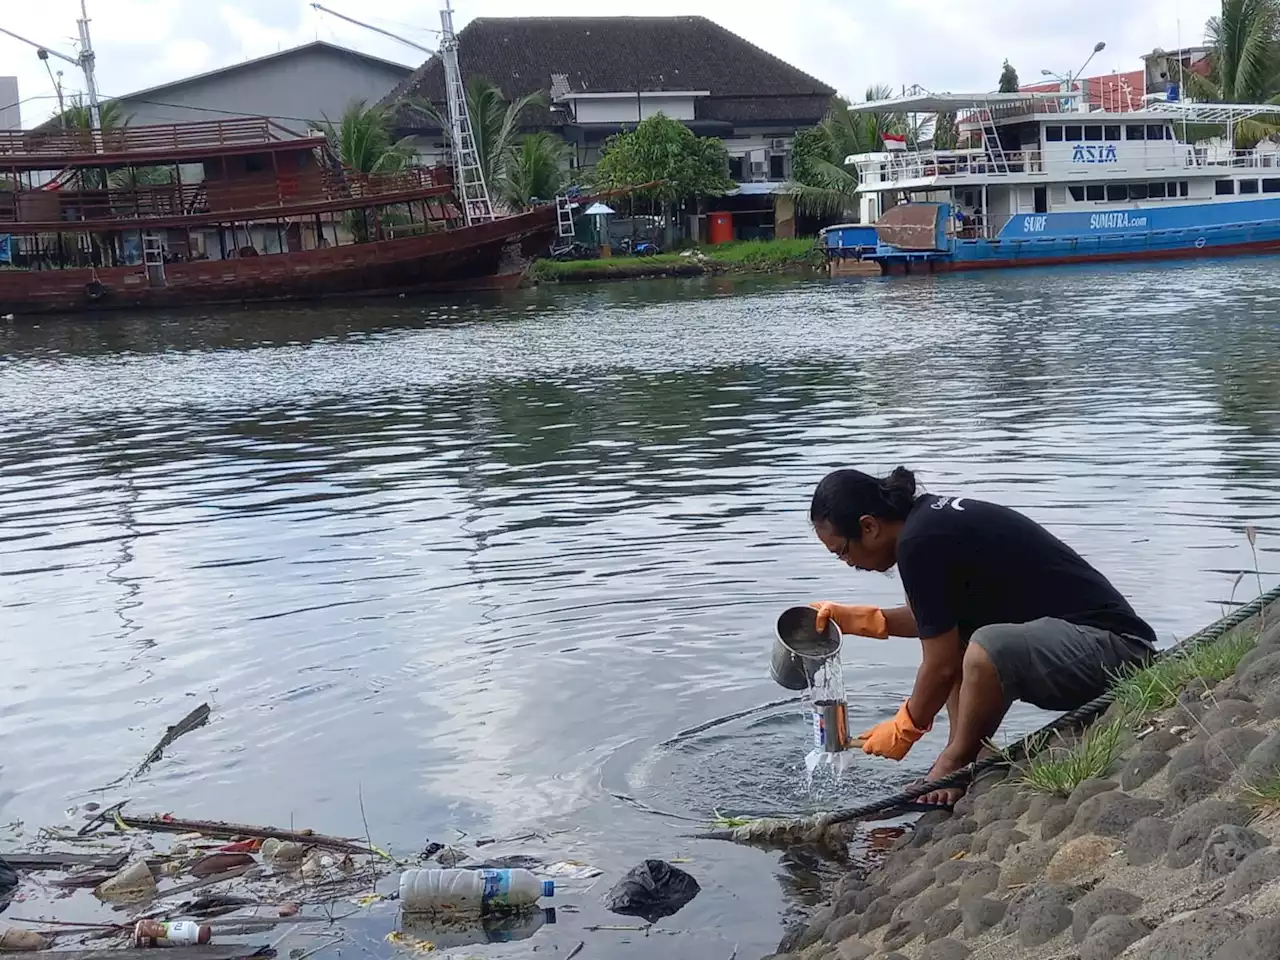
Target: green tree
[(822, 184), (1008, 79), (363, 139), (535, 170), (1244, 63), (664, 152), (946, 133), (495, 125), (78, 116)]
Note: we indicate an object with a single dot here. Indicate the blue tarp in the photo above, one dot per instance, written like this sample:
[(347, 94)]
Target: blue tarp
[(5, 246)]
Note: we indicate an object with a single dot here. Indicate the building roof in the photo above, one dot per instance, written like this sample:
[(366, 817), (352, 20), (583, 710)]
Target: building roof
[(1113, 92), (315, 45), (923, 101), (615, 54)]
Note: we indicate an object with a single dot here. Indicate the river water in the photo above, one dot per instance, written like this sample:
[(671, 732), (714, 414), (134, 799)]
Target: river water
[(477, 564)]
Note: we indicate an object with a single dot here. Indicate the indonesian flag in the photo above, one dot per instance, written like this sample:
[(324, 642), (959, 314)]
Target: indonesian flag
[(894, 141)]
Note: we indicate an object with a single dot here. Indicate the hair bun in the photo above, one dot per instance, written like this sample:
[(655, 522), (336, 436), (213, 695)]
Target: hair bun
[(902, 480)]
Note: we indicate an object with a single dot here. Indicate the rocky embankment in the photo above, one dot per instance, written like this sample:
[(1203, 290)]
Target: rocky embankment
[(1161, 843)]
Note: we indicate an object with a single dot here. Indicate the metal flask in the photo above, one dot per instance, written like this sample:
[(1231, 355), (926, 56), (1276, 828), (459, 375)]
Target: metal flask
[(799, 650)]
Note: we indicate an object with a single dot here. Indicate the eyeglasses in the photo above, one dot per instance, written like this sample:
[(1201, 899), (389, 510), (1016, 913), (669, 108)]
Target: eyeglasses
[(844, 551)]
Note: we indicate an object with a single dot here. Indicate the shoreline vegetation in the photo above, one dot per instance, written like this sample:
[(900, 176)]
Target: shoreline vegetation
[(800, 255)]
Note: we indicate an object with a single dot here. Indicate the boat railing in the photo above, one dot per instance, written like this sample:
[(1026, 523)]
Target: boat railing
[(947, 165), (142, 139), (1246, 159), (169, 200)]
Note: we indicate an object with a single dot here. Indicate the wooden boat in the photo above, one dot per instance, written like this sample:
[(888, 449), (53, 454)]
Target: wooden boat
[(232, 211)]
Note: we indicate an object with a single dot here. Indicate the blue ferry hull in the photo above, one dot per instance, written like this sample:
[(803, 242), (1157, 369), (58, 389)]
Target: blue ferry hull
[(1151, 233)]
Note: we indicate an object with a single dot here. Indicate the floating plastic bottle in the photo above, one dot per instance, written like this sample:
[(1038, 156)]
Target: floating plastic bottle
[(427, 891), (173, 933)]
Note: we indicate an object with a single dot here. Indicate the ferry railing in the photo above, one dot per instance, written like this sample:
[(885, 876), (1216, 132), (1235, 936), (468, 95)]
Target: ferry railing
[(143, 139), (1243, 159), (949, 164)]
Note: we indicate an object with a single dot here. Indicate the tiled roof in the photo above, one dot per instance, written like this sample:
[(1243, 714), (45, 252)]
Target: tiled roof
[(611, 54)]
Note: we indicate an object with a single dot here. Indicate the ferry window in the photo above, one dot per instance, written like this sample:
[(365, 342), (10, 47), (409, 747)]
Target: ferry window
[(1093, 132), (1224, 188), (1137, 191), (1135, 132), (1053, 134), (1074, 132), (1182, 188), (1117, 191), (1156, 190), (1248, 186), (1077, 193), (1271, 185), (1155, 131), (1111, 132), (1173, 188), (1094, 191)]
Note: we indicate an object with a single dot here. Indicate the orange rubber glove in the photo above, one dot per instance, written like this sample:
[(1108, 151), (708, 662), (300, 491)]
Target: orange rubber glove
[(893, 738), (862, 621)]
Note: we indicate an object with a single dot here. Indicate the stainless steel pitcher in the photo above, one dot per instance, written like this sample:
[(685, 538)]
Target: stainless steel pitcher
[(799, 650)]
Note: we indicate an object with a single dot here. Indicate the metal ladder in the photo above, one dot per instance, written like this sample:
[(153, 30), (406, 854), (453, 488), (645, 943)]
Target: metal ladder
[(991, 138), (472, 190), (153, 259), (564, 217)]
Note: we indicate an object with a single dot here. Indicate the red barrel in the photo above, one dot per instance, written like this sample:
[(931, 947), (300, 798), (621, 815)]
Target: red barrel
[(720, 227)]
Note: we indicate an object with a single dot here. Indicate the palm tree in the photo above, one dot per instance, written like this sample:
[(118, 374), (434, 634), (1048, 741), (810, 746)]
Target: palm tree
[(78, 116), (363, 139), (1244, 63), (535, 170), (822, 183), (494, 125)]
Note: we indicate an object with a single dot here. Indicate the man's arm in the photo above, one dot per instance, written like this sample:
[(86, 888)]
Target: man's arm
[(939, 672), (901, 622)]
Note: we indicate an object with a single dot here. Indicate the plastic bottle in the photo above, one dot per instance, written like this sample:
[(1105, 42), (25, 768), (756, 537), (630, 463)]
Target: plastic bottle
[(173, 933), (423, 891)]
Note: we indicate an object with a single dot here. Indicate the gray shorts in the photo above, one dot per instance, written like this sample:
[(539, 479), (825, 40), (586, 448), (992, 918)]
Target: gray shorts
[(1056, 665)]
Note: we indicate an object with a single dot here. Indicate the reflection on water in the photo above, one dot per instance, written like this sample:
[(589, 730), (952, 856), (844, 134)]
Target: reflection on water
[(476, 562)]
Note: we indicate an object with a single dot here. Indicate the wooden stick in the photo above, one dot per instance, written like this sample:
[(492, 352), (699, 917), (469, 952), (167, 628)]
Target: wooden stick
[(63, 861), (206, 882), (217, 828)]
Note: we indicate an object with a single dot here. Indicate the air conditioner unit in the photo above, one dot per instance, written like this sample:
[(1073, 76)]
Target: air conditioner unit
[(758, 169)]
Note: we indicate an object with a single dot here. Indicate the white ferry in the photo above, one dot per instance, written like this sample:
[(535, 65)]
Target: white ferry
[(1041, 179)]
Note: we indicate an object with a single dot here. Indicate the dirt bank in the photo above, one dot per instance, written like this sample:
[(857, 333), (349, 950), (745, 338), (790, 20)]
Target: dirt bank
[(1152, 837)]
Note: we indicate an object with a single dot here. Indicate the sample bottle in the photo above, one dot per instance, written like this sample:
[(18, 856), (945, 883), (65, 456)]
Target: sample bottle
[(424, 891), (171, 933)]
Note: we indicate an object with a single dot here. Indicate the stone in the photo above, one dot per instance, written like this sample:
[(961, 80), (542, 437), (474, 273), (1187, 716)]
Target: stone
[(1026, 864), (944, 950), (955, 827), (981, 915), (1111, 814), (1039, 912), (1188, 756), (1002, 840), (953, 871), (916, 836), (1194, 692), (982, 836), (1227, 750), (816, 928), (1260, 941), (1228, 713), (941, 924), (1269, 708), (877, 914), (1109, 937), (843, 928), (850, 883), (1226, 848), (1260, 675), (1141, 767), (1193, 826), (853, 949), (1190, 936), (1161, 741), (1254, 872), (1089, 788), (1080, 856), (941, 852), (983, 878), (1191, 786), (1263, 763), (868, 895), (1147, 841), (1056, 820), (924, 906), (933, 818), (1041, 804), (899, 933), (1102, 902), (913, 883)]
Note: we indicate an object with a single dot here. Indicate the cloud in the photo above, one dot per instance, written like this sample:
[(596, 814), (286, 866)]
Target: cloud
[(957, 45)]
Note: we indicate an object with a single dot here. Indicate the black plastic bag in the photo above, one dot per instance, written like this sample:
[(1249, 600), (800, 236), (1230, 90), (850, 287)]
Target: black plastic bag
[(8, 884), (652, 890)]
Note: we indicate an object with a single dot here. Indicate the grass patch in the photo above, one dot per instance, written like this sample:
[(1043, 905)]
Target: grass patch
[(1060, 769), (765, 253), (1156, 686), (746, 256), (1266, 795)]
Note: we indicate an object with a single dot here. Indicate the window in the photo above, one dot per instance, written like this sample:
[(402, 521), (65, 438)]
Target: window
[(1271, 185), (1155, 131), (1156, 190), (1248, 186), (1053, 134), (1137, 191), (1182, 188), (1173, 188), (1117, 191), (1093, 132), (1077, 194), (1111, 131), (1094, 191), (1135, 132), (1074, 132), (735, 169), (1224, 188), (777, 167)]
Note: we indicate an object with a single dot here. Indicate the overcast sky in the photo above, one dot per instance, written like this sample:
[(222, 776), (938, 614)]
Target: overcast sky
[(955, 45)]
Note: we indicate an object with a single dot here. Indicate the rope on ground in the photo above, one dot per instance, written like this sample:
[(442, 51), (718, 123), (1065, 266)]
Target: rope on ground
[(813, 829)]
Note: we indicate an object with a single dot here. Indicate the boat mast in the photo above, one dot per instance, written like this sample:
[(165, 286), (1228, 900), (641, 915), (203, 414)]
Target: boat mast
[(85, 62), (473, 192)]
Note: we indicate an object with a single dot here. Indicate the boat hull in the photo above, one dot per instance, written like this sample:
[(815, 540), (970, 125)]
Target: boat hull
[(486, 256)]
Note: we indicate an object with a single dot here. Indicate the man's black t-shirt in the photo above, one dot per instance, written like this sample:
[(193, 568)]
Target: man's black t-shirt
[(967, 564)]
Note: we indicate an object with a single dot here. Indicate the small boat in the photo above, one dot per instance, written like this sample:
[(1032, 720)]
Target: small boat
[(1045, 178), (233, 211)]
